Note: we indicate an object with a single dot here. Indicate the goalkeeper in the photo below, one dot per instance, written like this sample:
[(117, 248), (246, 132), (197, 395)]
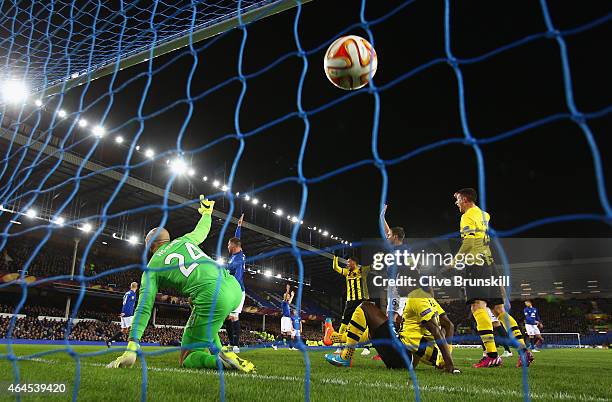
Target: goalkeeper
[(180, 264)]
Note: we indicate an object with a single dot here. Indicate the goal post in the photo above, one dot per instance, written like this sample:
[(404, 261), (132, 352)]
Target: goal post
[(561, 339), (167, 45)]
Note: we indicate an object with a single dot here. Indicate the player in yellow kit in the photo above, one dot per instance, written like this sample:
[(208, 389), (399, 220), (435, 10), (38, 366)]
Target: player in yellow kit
[(475, 254), (422, 335), (356, 292)]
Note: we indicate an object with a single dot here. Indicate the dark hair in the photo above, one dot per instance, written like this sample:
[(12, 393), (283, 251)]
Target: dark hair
[(468, 193), (355, 259), (399, 232), (235, 241)]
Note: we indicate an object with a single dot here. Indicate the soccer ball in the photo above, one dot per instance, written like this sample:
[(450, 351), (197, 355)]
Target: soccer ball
[(350, 62)]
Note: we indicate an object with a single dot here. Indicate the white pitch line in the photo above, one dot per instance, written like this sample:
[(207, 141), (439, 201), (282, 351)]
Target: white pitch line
[(377, 384)]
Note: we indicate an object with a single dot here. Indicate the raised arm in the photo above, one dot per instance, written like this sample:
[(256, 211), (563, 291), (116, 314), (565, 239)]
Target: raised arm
[(338, 268), (291, 297), (198, 235), (384, 221), (239, 227)]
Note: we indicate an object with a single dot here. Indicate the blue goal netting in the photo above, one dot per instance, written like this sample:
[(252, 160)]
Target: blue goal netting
[(66, 64)]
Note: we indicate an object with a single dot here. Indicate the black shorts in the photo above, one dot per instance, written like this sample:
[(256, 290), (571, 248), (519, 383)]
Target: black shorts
[(491, 294), (388, 353), (349, 309)]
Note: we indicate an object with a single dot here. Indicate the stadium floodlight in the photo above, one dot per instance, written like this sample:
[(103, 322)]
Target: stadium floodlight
[(265, 205), (314, 228), (351, 244), (255, 201), (38, 102), (61, 113), (279, 212), (15, 222), (59, 221), (191, 171), (115, 236), (98, 131), (325, 233), (278, 276), (14, 92), (149, 153), (267, 272), (31, 213), (221, 261), (294, 219), (224, 188), (119, 139), (178, 166), (216, 183), (82, 123), (105, 243), (205, 178), (301, 222), (319, 230), (133, 239), (247, 197), (138, 147), (86, 228)]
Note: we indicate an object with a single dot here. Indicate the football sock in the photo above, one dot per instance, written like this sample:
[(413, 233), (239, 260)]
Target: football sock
[(484, 326), (343, 327), (198, 359), (228, 330), (502, 336), (338, 337), (513, 327), (236, 333), (357, 326)]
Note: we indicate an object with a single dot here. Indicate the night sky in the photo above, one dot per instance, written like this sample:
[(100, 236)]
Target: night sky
[(542, 172)]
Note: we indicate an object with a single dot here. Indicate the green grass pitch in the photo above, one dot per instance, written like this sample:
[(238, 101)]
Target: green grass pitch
[(556, 375)]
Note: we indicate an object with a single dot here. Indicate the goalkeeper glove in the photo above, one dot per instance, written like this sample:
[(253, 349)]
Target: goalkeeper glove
[(128, 358), (206, 206)]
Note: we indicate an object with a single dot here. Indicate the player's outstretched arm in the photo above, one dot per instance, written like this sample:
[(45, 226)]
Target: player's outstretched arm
[(239, 227), (198, 235), (442, 345), (142, 315), (384, 222), (338, 268)]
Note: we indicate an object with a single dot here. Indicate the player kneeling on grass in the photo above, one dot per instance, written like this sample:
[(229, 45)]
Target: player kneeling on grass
[(421, 334), (180, 264)]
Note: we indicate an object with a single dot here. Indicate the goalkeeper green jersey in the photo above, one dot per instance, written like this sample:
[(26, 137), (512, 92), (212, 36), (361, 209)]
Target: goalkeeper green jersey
[(181, 265)]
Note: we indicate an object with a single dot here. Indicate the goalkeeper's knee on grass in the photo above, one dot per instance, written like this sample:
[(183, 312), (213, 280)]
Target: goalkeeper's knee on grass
[(198, 359)]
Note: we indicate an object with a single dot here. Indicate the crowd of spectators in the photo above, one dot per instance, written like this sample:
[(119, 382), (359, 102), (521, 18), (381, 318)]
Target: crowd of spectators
[(558, 315), (89, 330)]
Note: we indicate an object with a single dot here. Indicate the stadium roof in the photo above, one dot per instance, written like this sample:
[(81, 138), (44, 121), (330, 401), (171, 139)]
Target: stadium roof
[(137, 207)]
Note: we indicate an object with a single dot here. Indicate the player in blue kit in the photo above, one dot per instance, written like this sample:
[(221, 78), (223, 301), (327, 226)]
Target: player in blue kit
[(235, 266), (127, 313), (287, 330), (532, 325)]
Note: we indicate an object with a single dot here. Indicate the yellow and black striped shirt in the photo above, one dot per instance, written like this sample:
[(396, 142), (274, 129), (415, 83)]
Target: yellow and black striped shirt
[(356, 281), (474, 228)]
